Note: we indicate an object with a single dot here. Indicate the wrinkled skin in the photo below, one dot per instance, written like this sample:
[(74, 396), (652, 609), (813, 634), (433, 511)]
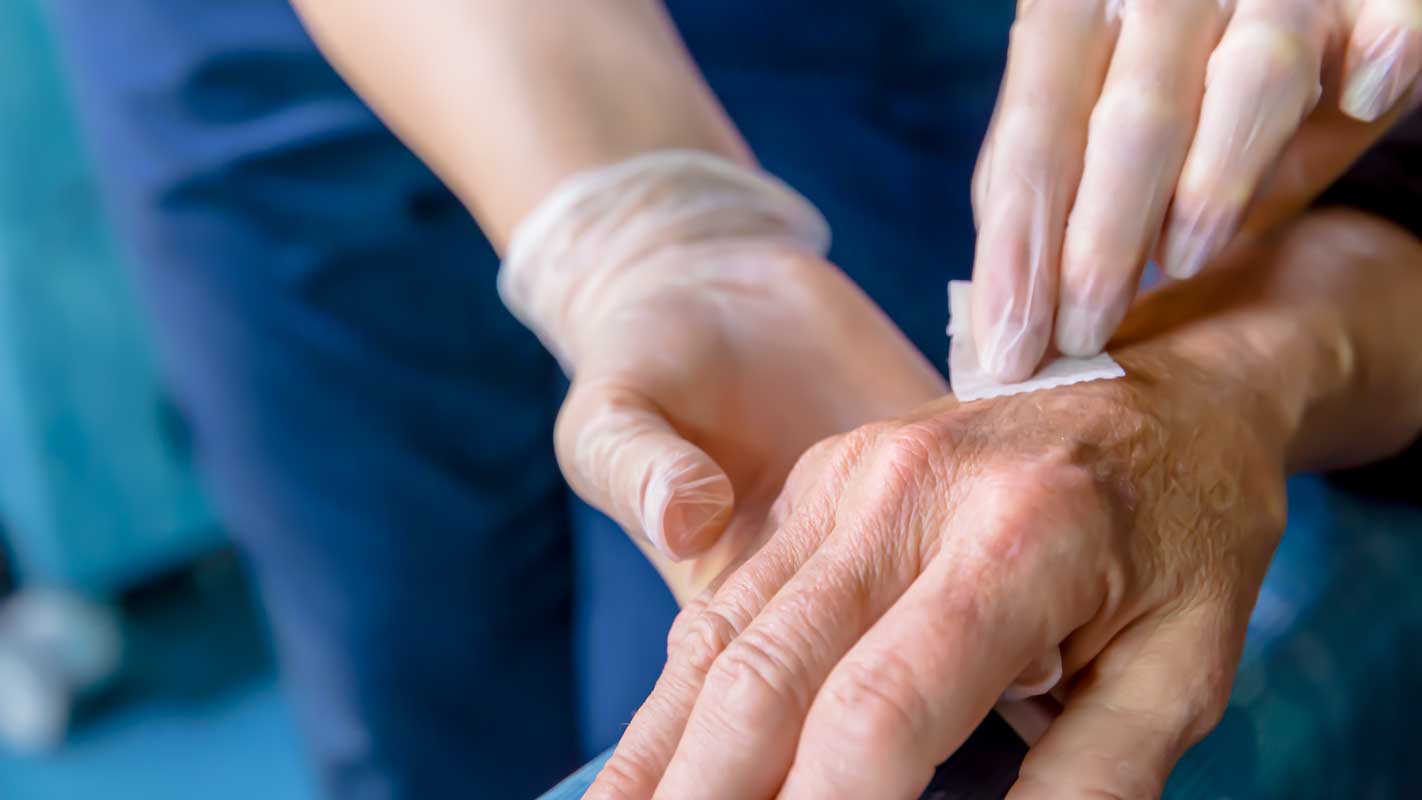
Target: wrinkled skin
[(1128, 522)]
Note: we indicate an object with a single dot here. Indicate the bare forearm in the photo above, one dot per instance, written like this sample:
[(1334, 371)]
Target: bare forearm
[(1373, 272), (505, 98), (1323, 325)]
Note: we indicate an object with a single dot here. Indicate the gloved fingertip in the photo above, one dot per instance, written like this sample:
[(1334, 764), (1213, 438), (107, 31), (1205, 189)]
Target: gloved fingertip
[(1190, 246), (1380, 74), (1007, 359), (1080, 332), (693, 518), (1370, 92)]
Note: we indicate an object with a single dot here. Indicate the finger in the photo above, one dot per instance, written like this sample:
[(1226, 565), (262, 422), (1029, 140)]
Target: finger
[(980, 186), (979, 189), (1328, 143), (1155, 691), (1140, 132), (1016, 575), (741, 735), (1384, 58), (705, 627), (1326, 146), (1263, 79), (1029, 175), (622, 456)]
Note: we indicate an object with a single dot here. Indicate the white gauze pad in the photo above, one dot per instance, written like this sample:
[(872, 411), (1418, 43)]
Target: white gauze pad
[(971, 382)]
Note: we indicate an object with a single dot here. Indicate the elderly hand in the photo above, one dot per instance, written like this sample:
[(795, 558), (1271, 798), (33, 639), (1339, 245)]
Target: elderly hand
[(709, 343), (917, 566), (1124, 126)]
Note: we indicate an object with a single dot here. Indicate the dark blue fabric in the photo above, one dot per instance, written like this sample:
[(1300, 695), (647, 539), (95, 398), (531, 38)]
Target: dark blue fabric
[(376, 429)]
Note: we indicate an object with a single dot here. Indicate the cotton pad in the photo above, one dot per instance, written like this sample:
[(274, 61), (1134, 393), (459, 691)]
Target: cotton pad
[(971, 382)]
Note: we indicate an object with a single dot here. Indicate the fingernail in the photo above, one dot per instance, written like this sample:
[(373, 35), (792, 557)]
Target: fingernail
[(1376, 82), (1079, 331), (692, 516), (1189, 246), (656, 508), (1372, 90), (688, 525)]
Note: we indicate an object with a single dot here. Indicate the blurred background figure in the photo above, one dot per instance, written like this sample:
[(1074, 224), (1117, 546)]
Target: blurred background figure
[(133, 662)]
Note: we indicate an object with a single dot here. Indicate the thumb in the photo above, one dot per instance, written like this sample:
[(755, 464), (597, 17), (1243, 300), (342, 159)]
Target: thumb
[(1154, 692), (622, 456)]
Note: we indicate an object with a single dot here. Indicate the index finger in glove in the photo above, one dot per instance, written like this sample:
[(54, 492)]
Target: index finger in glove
[(1029, 173), (1263, 79)]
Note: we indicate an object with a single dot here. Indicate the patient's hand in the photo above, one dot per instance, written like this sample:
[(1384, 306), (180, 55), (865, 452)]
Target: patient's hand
[(917, 566)]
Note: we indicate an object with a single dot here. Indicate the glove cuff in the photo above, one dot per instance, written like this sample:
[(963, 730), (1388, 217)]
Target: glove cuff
[(604, 222)]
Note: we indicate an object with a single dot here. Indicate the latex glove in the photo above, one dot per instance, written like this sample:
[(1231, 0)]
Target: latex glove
[(709, 343), (921, 563), (1125, 127)]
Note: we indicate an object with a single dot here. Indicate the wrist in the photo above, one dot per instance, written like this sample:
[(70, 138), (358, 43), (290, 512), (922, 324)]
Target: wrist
[(1250, 368), (606, 237), (1310, 332)]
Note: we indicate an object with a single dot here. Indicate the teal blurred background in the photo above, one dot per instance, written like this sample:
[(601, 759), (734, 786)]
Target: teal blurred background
[(98, 502)]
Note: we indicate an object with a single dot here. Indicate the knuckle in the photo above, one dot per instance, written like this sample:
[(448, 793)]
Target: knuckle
[(685, 618), (703, 640), (1056, 483), (827, 465), (1264, 48), (1023, 506), (813, 461), (909, 454), (1138, 109), (756, 680), (857, 441), (877, 705), (623, 777), (903, 461)]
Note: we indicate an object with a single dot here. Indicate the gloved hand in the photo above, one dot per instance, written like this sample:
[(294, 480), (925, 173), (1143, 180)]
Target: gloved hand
[(1127, 127), (709, 345)]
